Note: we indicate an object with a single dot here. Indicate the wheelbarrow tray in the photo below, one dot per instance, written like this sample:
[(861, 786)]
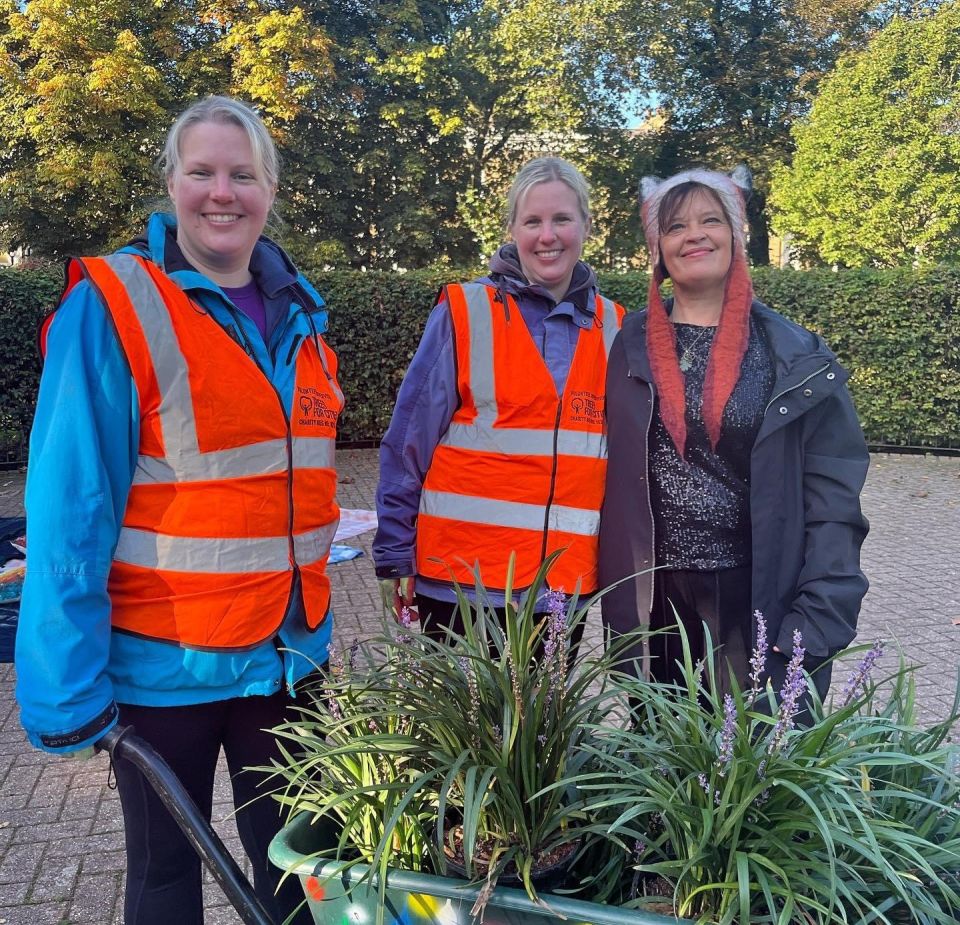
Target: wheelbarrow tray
[(335, 894)]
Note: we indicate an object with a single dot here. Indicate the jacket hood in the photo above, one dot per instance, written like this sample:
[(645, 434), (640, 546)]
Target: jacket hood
[(505, 266)]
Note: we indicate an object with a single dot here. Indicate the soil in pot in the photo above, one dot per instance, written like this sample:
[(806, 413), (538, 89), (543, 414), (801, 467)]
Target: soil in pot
[(550, 870)]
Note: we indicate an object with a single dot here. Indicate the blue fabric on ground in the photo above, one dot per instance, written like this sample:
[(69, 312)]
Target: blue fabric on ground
[(342, 554)]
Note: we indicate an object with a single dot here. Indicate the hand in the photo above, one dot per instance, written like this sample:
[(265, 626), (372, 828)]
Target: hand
[(397, 593)]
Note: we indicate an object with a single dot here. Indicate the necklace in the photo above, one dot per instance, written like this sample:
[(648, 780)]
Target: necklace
[(686, 356)]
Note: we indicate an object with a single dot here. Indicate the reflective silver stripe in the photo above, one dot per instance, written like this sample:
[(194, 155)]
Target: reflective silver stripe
[(231, 555), (177, 423), (314, 452), (313, 546), (333, 382), (610, 326), (515, 441), (482, 383), (256, 459), (514, 514)]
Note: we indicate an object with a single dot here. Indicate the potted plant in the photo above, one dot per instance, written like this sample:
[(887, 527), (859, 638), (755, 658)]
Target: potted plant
[(729, 810), (433, 754)]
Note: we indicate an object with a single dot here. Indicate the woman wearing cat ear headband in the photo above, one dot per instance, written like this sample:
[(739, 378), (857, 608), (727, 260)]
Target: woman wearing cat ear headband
[(735, 456)]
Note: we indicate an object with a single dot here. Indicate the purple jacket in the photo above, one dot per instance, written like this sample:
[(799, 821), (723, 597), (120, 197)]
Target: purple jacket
[(428, 399)]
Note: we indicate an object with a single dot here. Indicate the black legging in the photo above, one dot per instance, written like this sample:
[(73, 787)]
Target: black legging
[(163, 871)]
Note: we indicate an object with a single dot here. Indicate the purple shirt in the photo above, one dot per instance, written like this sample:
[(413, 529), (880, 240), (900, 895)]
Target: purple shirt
[(250, 301)]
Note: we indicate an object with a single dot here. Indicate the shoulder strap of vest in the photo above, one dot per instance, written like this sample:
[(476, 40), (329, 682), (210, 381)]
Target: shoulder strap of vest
[(74, 271)]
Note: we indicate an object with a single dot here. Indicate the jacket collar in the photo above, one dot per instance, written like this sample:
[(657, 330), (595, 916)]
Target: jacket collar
[(269, 264), (505, 270)]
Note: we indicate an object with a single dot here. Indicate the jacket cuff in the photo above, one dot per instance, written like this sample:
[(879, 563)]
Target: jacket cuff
[(84, 736), (394, 571), (813, 648)]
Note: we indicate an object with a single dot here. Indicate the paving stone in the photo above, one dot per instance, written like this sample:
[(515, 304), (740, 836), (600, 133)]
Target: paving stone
[(88, 845), (20, 861), (31, 914), (56, 880), (95, 898)]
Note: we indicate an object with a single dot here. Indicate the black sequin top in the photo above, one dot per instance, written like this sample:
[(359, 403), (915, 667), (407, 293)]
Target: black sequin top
[(701, 506)]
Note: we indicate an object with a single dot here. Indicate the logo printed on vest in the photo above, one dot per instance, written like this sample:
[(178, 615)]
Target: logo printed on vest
[(314, 410), (587, 407)]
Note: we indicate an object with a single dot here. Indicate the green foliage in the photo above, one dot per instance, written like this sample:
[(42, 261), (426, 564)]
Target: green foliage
[(873, 179), (25, 296), (729, 77), (399, 122), (478, 733), (740, 813), (897, 331), (90, 89)]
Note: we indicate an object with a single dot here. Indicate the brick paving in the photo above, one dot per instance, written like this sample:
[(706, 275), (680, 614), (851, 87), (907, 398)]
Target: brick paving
[(61, 832)]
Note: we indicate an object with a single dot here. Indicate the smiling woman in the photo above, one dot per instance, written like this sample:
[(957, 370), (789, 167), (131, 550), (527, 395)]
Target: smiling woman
[(222, 195), (736, 458), (191, 492), (496, 443)]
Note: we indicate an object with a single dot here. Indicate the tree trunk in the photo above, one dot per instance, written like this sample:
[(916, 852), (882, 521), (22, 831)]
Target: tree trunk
[(759, 247)]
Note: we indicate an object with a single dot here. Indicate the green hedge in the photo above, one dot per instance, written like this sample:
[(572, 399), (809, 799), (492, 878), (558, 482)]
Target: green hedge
[(898, 331), (25, 296)]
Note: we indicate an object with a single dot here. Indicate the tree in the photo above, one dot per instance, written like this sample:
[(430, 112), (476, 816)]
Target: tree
[(399, 122), (90, 89), (874, 178), (732, 76)]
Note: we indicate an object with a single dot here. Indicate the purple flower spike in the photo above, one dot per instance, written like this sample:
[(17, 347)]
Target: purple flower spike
[(727, 734), (555, 646), (857, 682), (405, 621), (556, 602), (758, 660), (794, 687)]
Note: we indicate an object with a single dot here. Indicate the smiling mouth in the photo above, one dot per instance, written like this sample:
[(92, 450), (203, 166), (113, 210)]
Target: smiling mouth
[(699, 252), (549, 254), (221, 219)]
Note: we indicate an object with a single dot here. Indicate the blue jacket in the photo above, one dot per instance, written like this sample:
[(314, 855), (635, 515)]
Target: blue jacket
[(71, 668)]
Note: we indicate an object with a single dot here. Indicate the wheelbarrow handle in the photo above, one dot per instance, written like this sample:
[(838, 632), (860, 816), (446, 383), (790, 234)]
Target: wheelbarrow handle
[(122, 742)]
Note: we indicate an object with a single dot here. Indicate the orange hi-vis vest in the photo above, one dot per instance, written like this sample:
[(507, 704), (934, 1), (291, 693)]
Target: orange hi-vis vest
[(520, 468), (232, 498)]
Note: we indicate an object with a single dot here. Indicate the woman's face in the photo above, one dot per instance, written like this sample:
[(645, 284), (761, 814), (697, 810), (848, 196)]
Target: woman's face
[(221, 199), (697, 243), (549, 231)]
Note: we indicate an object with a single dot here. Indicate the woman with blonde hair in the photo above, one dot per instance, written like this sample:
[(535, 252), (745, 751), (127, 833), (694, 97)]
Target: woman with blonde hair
[(180, 506), (497, 440)]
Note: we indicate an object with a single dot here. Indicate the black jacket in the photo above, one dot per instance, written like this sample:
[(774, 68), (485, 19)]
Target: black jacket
[(807, 468)]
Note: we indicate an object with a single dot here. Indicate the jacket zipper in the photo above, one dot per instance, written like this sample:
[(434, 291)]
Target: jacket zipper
[(653, 524)]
